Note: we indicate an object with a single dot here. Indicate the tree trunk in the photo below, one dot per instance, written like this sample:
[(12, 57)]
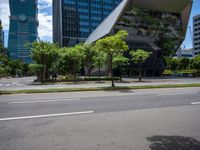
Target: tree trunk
[(111, 72), (74, 71), (44, 73), (120, 71), (140, 72), (99, 73)]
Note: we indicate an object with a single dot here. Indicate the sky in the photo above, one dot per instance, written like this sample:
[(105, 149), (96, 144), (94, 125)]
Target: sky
[(45, 20)]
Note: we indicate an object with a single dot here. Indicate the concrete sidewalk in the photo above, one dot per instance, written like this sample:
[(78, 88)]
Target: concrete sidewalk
[(27, 83)]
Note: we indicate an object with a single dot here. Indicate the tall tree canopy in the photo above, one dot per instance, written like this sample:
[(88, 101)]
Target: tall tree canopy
[(70, 60), (112, 46), (44, 53), (139, 56)]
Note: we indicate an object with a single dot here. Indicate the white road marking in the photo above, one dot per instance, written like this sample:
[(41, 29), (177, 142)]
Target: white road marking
[(168, 94), (44, 116), (44, 101), (195, 103), (8, 84), (14, 82)]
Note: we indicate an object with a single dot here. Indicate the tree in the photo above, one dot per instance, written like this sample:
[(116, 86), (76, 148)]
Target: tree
[(174, 64), (70, 60), (183, 63), (167, 61), (4, 68), (139, 56), (16, 67), (119, 61), (88, 60), (3, 55), (112, 45), (99, 62), (45, 54), (196, 63), (37, 70)]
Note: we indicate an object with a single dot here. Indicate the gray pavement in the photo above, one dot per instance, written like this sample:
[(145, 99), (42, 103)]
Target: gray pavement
[(156, 119), (27, 83)]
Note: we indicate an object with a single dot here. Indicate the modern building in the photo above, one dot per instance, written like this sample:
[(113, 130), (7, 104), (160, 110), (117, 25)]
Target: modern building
[(75, 20), (158, 26), (1, 34), (196, 35), (23, 28), (184, 53)]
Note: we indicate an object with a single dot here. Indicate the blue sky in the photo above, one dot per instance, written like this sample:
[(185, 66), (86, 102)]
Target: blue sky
[(45, 20)]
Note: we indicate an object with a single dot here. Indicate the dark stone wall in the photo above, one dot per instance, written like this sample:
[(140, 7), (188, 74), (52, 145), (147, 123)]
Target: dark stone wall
[(158, 32)]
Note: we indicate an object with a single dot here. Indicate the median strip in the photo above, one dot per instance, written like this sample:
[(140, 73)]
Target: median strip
[(51, 90), (45, 116)]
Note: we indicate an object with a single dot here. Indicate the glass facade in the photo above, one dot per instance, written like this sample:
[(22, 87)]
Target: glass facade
[(196, 32), (80, 18), (23, 28)]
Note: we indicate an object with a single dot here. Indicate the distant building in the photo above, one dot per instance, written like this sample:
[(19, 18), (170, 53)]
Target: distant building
[(1, 34), (187, 53), (23, 28), (196, 34), (75, 20)]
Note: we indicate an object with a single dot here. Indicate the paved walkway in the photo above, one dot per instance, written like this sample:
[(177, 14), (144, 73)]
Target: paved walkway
[(27, 83)]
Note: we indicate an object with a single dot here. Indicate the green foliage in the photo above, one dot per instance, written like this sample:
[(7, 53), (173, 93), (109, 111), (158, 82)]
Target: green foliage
[(151, 20), (112, 46), (88, 59), (70, 60), (99, 59), (196, 63), (44, 53), (37, 70), (3, 71), (167, 61), (3, 55), (174, 64), (125, 20), (167, 73), (139, 56), (16, 67), (183, 63), (119, 61)]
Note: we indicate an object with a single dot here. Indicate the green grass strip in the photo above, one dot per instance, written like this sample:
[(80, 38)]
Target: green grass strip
[(53, 90)]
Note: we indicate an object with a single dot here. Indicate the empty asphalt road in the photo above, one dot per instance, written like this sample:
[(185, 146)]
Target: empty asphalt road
[(140, 119)]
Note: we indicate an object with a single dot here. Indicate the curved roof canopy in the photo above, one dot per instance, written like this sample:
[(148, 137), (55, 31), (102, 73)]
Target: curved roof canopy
[(182, 7)]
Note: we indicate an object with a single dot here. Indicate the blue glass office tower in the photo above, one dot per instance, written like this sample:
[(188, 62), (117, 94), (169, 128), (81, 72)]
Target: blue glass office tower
[(23, 28), (74, 20), (1, 34)]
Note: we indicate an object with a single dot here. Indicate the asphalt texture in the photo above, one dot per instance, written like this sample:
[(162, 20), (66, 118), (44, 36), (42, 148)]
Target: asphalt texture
[(158, 119)]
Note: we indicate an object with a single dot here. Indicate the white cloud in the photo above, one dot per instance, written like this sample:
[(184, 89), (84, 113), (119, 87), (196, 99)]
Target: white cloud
[(4, 14), (43, 4), (45, 19), (45, 26)]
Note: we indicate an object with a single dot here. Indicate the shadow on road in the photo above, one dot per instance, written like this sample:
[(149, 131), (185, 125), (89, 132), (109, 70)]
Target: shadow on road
[(160, 142)]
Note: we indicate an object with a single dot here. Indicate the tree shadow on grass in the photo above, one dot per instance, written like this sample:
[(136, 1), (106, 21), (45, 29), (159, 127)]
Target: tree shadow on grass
[(161, 142)]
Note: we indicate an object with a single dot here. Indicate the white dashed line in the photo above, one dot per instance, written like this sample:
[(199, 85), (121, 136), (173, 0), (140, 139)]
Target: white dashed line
[(195, 103), (44, 116), (169, 94), (44, 101)]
